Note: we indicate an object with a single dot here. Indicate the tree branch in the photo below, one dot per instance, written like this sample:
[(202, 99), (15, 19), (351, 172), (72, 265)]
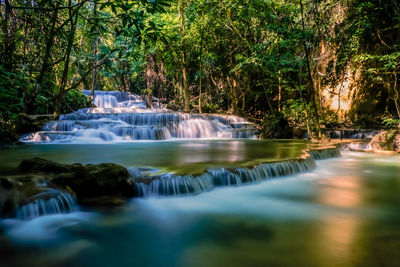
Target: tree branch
[(46, 8), (101, 62)]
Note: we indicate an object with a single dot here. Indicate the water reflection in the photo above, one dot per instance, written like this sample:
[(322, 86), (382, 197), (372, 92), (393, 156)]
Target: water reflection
[(337, 235), (185, 155), (342, 191)]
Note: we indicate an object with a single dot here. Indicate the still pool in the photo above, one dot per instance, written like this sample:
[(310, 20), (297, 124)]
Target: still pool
[(181, 156), (344, 213)]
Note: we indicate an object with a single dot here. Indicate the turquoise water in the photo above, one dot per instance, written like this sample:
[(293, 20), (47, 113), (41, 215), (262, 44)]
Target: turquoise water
[(344, 213), (179, 156)]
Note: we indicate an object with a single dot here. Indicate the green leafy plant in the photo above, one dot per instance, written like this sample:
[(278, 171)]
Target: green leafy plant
[(74, 100), (391, 122)]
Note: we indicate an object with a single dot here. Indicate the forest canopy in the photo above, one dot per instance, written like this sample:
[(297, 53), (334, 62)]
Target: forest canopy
[(282, 63)]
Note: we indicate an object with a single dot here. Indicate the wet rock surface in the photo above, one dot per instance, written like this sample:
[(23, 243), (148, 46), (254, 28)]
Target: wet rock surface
[(45, 187), (17, 192), (93, 184), (104, 183)]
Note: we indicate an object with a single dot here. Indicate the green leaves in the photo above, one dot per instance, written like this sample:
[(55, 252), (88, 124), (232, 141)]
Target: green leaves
[(11, 87)]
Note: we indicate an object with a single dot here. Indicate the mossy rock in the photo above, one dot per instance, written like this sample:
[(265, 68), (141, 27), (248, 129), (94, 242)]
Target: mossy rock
[(387, 141), (39, 165), (106, 182), (96, 181)]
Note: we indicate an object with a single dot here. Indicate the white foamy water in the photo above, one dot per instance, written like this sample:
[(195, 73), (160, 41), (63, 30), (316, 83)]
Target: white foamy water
[(124, 117)]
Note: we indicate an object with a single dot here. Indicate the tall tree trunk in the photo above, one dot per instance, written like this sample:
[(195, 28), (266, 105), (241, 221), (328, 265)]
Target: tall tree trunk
[(312, 90), (279, 91), (9, 30), (396, 95), (46, 60), (185, 89), (71, 35), (95, 45), (201, 64), (149, 80), (234, 96), (305, 109)]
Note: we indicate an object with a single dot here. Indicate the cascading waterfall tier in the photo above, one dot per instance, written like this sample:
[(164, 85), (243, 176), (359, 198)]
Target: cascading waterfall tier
[(175, 185), (351, 133), (50, 201), (122, 116), (43, 201)]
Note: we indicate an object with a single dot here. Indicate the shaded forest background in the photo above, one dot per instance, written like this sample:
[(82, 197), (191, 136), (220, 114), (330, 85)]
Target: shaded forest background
[(313, 64)]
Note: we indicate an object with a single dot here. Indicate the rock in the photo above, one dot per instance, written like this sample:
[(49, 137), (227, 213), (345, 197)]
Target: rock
[(386, 140), (38, 165), (396, 143), (92, 183), (31, 123)]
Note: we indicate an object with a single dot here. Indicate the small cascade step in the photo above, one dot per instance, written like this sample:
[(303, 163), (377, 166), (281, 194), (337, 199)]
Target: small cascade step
[(50, 201), (176, 185)]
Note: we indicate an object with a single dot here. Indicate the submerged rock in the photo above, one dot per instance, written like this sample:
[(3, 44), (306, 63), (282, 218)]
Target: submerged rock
[(94, 184)]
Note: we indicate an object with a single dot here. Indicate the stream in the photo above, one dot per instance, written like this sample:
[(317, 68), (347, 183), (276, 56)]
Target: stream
[(212, 195)]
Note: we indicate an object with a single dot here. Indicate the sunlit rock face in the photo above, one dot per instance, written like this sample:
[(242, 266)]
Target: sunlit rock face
[(124, 117)]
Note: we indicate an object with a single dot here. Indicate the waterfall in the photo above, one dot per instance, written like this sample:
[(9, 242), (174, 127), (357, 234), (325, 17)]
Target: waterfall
[(50, 201), (351, 134), (123, 117), (176, 185), (326, 153), (356, 146)]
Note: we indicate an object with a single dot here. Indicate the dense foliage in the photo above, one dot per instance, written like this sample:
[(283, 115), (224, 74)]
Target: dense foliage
[(281, 63)]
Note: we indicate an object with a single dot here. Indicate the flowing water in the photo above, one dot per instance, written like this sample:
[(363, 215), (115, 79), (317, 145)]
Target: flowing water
[(346, 212), (124, 117), (211, 195)]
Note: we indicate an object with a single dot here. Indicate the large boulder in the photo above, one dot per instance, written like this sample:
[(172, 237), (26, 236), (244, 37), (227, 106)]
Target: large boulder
[(93, 184), (386, 140), (97, 182), (39, 165), (31, 123)]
